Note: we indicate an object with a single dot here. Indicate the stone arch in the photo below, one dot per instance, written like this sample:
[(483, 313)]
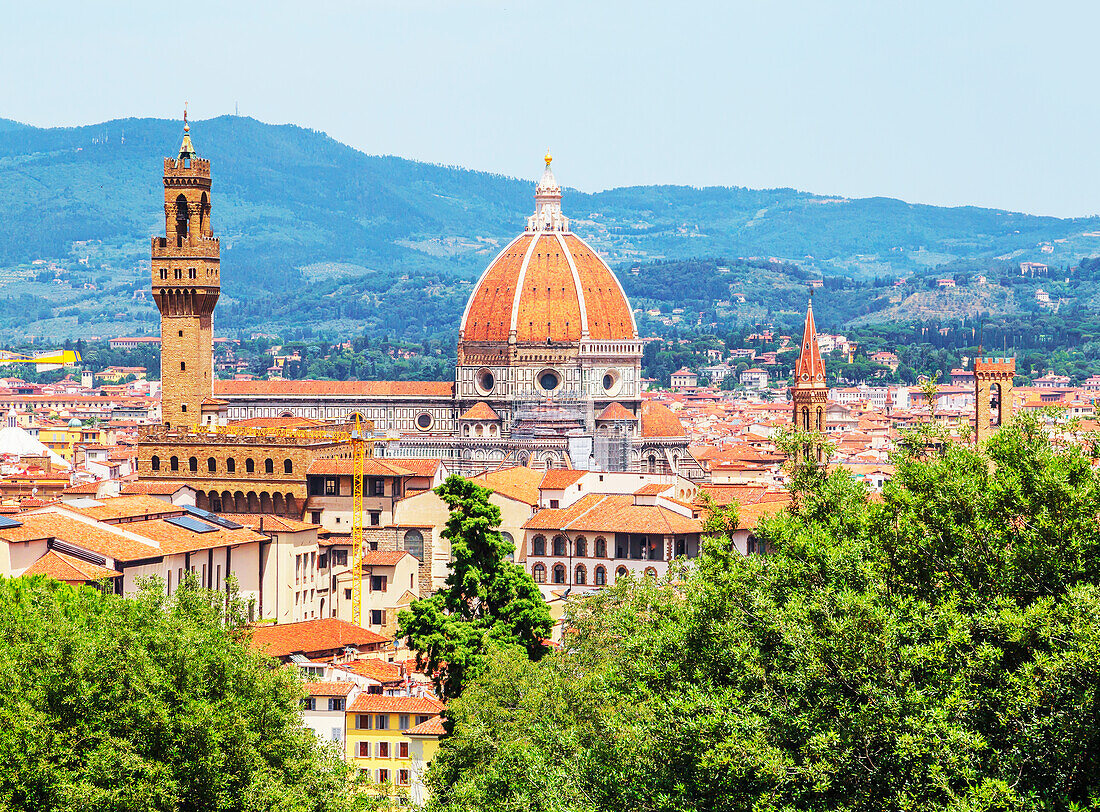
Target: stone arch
[(240, 502), (214, 500), (201, 502), (265, 502), (228, 504), (253, 502), (278, 506), (291, 505)]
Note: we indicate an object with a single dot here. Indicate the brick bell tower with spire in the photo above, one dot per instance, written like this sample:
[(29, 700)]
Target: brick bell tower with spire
[(186, 283), (809, 392)]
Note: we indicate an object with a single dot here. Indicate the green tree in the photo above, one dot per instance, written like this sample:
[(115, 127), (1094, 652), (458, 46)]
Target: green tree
[(488, 602), (150, 703), (938, 649)]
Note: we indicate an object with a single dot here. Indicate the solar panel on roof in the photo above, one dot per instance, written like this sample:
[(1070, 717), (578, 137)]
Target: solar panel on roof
[(213, 518), (6, 522), (191, 523)]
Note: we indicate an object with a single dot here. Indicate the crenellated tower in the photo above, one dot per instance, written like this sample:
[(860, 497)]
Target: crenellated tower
[(186, 283), (809, 392), (992, 394)]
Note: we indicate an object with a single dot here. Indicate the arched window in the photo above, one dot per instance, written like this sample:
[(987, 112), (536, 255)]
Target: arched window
[(174, 463), (538, 573), (652, 463), (621, 572), (580, 547), (154, 463), (559, 545), (600, 577), (269, 466), (601, 547), (538, 545), (211, 464), (507, 537), (204, 207), (231, 465), (559, 573), (414, 543), (193, 464), (650, 572), (250, 466), (579, 575), (288, 467), (182, 217)]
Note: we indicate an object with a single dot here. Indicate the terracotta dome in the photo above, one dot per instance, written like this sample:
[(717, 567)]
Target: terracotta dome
[(548, 284)]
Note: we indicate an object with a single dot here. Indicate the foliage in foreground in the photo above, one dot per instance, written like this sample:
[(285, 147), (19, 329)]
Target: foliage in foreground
[(937, 650), (487, 603), (149, 703)]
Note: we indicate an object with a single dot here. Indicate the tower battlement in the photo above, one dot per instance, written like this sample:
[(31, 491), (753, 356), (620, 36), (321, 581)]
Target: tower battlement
[(186, 167), (994, 365)]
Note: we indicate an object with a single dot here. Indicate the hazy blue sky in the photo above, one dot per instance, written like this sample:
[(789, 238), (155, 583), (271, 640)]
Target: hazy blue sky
[(986, 103)]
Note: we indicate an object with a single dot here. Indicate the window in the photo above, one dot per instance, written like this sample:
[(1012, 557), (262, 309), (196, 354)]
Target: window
[(211, 464), (322, 561), (402, 749), (403, 724), (269, 466), (383, 721), (424, 421), (538, 573), (621, 572), (559, 545), (650, 572), (383, 749), (347, 594), (422, 718), (403, 775), (332, 486), (231, 465), (378, 583), (340, 557), (183, 366), (377, 617), (364, 749), (538, 546), (383, 776), (579, 575), (375, 518), (154, 463), (309, 703), (174, 463), (580, 547), (559, 573), (288, 467), (554, 504), (336, 703), (549, 380), (250, 466), (363, 721), (377, 486), (601, 547), (414, 543), (193, 464), (601, 576), (315, 516), (183, 408)]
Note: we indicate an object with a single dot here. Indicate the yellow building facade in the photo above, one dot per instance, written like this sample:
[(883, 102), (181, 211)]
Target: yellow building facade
[(390, 740)]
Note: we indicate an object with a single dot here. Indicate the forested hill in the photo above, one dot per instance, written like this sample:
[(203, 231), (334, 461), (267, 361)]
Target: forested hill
[(314, 231)]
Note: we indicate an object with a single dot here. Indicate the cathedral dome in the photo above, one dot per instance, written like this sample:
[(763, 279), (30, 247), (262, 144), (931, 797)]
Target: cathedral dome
[(547, 285)]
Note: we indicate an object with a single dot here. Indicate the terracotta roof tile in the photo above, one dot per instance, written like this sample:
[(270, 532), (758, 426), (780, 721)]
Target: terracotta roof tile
[(488, 315), (418, 389), (615, 411), (519, 483), (376, 669), (660, 421), (153, 488), (613, 513), (558, 479), (480, 411), (270, 522), (175, 539), (125, 507), (306, 636), (432, 727), (383, 558), (374, 703), (372, 466), (328, 688), (107, 540), (62, 567)]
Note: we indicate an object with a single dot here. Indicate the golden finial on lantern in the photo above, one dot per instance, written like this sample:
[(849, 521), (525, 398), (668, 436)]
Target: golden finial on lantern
[(186, 126), (548, 157)]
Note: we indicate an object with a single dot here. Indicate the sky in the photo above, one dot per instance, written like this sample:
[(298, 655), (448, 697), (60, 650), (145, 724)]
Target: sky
[(950, 103)]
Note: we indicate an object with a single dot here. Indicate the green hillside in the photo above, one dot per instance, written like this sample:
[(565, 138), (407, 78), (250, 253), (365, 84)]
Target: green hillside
[(319, 237)]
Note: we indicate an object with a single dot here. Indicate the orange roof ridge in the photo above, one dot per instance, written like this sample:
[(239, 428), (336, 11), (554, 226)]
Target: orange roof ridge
[(480, 411)]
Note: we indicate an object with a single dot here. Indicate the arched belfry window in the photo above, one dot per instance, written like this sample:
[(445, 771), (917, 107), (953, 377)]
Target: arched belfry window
[(995, 403), (204, 210), (182, 218)]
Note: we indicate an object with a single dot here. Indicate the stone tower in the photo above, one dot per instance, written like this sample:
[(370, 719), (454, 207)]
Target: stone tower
[(186, 284), (809, 393), (992, 394)]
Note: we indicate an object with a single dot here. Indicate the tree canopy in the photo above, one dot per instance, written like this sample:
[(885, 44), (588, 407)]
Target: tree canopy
[(488, 601), (935, 649), (149, 703)]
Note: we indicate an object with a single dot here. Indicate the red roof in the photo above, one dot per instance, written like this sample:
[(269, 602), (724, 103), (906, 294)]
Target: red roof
[(432, 727), (558, 479), (613, 513), (660, 421), (480, 411), (328, 688), (62, 567), (306, 636), (375, 703), (615, 411), (437, 389), (810, 369), (383, 558), (376, 669)]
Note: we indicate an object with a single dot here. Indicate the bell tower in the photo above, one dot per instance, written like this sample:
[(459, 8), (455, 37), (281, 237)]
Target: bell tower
[(809, 393), (992, 394), (186, 283)]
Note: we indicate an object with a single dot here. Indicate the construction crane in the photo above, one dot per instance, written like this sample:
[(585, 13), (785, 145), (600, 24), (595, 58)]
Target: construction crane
[(359, 448)]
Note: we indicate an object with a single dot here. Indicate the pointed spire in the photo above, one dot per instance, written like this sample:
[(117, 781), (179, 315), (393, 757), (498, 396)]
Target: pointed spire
[(548, 216), (187, 150), (810, 369)]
